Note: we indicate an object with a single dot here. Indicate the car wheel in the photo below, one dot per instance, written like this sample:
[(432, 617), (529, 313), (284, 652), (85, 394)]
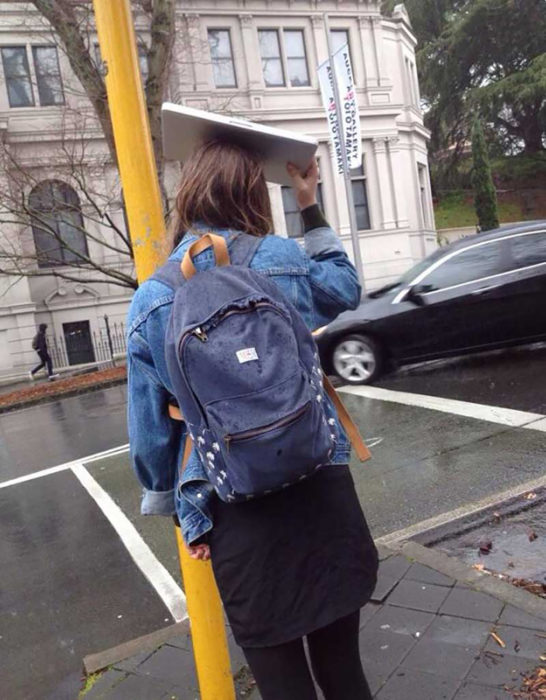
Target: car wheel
[(357, 359)]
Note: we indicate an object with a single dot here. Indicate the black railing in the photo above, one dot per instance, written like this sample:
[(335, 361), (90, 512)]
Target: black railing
[(100, 346)]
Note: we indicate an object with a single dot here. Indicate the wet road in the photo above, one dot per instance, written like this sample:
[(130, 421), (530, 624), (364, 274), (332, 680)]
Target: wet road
[(512, 378), (53, 433), (66, 577)]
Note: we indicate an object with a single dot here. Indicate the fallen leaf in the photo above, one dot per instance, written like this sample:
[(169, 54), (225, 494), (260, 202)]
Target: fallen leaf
[(479, 567), (532, 535), (499, 641), (485, 546), (531, 496)]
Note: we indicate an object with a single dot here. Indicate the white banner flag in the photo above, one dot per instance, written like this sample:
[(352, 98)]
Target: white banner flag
[(328, 99), (349, 107)]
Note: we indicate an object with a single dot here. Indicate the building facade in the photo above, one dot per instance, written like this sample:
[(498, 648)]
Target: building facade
[(253, 58)]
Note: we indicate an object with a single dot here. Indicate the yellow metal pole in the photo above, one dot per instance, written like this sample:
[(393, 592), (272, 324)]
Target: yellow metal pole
[(147, 230)]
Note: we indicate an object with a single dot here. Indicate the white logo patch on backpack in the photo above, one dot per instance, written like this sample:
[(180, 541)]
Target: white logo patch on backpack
[(247, 355)]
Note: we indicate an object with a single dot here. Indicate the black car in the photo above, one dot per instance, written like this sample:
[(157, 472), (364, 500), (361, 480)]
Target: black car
[(482, 292)]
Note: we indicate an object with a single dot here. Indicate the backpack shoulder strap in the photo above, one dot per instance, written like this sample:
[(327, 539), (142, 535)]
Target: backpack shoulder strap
[(242, 249), (169, 274)]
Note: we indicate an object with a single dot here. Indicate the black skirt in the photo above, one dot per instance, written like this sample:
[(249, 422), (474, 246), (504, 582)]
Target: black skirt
[(295, 561)]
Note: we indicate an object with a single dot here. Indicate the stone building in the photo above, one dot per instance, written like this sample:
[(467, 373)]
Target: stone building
[(254, 58)]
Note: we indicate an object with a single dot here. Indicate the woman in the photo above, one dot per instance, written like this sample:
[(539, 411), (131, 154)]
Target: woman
[(297, 563)]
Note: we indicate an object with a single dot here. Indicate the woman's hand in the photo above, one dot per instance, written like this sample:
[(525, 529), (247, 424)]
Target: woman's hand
[(199, 551), (305, 184)]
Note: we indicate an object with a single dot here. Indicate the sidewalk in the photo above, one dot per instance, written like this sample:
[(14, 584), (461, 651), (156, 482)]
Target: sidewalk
[(426, 635), (21, 394)]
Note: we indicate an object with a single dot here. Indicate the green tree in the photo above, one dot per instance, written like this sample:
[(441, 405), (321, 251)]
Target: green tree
[(487, 56), (485, 196)]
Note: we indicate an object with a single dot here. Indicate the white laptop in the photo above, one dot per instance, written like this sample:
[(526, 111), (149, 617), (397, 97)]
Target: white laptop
[(185, 128)]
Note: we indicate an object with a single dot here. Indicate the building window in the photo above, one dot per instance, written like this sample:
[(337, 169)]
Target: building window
[(289, 59), (57, 224), (360, 198), (411, 78), (270, 51), (294, 47), (340, 37), (48, 75), (221, 54), (17, 75), (143, 63), (422, 171), (292, 216)]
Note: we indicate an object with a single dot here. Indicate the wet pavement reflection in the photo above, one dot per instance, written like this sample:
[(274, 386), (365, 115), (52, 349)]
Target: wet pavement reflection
[(53, 433)]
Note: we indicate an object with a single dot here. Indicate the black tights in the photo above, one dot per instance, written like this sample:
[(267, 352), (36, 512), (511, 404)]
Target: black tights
[(282, 672)]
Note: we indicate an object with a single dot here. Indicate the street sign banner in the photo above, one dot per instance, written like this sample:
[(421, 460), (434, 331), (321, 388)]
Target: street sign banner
[(348, 110)]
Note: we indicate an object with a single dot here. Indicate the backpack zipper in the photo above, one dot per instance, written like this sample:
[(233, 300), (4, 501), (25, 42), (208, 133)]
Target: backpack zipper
[(281, 423)]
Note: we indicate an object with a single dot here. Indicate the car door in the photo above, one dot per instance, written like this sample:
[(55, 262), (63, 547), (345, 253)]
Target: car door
[(462, 300)]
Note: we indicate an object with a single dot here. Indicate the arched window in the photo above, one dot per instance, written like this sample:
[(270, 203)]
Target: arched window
[(57, 224)]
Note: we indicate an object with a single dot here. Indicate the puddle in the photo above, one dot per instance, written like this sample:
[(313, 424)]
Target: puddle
[(514, 550)]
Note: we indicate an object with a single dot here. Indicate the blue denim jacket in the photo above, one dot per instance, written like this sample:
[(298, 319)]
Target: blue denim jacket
[(320, 281)]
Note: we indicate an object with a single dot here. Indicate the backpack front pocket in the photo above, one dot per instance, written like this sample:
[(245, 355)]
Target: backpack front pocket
[(269, 457)]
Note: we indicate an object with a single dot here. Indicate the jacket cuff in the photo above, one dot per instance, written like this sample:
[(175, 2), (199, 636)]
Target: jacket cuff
[(313, 218), (321, 241), (157, 503)]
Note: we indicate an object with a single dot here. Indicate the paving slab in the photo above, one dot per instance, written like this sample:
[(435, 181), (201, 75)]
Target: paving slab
[(423, 686), (472, 691), (472, 604), (105, 683), (411, 649), (134, 687), (519, 618), (499, 669), (418, 596), (419, 572), (447, 660), (400, 621), (519, 642), (384, 585)]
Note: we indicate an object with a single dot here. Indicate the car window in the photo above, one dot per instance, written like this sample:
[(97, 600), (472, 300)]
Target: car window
[(529, 249), (472, 264)]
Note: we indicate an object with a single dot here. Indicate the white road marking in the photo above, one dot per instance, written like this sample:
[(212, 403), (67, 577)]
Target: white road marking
[(114, 451), (166, 587), (493, 414), (468, 509)]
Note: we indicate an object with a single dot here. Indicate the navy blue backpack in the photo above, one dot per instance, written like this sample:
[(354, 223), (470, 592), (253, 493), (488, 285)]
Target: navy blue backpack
[(245, 372)]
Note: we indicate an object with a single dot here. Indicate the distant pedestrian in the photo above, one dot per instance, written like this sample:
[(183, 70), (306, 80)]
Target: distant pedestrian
[(39, 343)]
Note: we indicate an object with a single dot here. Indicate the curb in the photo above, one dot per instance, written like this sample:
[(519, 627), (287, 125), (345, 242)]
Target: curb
[(475, 579), (148, 642), (513, 505), (26, 403)]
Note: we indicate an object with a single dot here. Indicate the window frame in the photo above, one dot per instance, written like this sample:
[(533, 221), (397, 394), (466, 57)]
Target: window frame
[(320, 202), (286, 84), (518, 267), (50, 262), (283, 49), (232, 58), (504, 255), (347, 32), (24, 48), (37, 75), (361, 178)]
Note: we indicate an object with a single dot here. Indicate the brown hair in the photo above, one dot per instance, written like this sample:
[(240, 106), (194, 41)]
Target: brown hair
[(223, 185)]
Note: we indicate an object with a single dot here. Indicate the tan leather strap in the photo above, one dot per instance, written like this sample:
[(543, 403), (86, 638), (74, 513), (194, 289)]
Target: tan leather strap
[(187, 452), (208, 240), (347, 422), (176, 414)]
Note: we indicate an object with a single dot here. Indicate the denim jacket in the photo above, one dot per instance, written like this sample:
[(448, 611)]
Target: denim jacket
[(320, 281)]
